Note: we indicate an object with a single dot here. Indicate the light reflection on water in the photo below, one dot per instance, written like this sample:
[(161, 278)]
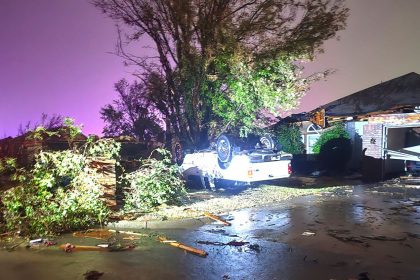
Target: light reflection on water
[(358, 213)]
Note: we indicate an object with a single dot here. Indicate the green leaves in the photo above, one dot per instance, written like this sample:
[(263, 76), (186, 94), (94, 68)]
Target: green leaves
[(337, 131), (250, 87), (221, 62), (290, 139), (105, 147), (59, 193), (157, 182)]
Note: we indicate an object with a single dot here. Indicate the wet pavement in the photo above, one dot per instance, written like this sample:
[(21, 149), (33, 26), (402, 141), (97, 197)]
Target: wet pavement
[(356, 233)]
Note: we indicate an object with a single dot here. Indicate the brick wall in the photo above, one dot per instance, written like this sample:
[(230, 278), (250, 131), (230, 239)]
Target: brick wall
[(372, 140)]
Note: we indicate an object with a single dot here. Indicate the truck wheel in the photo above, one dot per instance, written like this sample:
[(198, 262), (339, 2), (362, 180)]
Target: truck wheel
[(223, 165), (267, 142), (224, 149), (178, 152)]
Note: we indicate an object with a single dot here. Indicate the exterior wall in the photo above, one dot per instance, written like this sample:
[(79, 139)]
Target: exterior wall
[(21, 148), (355, 130), (373, 140)]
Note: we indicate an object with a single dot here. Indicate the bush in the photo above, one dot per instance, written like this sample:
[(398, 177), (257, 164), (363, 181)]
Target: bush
[(334, 149), (290, 139), (335, 154), (337, 131), (157, 182), (59, 193)]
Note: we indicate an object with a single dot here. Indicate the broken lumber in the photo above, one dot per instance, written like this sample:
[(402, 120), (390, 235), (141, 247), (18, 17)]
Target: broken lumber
[(184, 247), (70, 248), (94, 233), (128, 232), (216, 218)]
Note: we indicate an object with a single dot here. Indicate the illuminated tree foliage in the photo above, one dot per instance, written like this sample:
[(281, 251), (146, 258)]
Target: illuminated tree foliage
[(225, 64)]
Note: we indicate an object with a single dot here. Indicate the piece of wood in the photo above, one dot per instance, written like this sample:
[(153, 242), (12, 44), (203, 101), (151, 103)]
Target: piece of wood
[(129, 232), (69, 248), (184, 247), (94, 233), (216, 218)]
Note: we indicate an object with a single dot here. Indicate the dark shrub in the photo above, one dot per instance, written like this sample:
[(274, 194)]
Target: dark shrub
[(335, 154)]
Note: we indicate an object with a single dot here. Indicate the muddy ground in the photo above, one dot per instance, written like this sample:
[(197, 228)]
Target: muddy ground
[(348, 232)]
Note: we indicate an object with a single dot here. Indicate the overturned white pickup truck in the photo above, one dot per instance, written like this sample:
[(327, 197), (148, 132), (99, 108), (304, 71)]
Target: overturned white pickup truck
[(228, 162)]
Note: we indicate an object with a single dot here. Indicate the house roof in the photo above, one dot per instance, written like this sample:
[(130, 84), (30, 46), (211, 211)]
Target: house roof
[(397, 93)]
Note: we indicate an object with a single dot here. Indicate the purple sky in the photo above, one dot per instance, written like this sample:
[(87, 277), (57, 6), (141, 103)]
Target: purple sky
[(54, 57)]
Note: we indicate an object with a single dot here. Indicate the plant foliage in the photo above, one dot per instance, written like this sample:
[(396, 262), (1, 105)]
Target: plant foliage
[(60, 192), (223, 65), (289, 138), (156, 182), (336, 132)]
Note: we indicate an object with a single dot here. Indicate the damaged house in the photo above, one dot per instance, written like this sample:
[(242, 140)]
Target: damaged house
[(383, 122)]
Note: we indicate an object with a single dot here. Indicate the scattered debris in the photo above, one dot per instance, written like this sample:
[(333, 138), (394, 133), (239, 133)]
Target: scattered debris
[(217, 231), (255, 247), (40, 242), (222, 232), (237, 243), (308, 233), (215, 243), (413, 235), (7, 234), (132, 238), (339, 264), (14, 246), (129, 232), (94, 233), (341, 235), (383, 238), (216, 218), (369, 208), (184, 247), (35, 241), (93, 275), (231, 243), (363, 276), (70, 248)]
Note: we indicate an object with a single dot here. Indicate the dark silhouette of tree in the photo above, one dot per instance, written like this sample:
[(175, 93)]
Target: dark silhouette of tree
[(53, 122), (132, 114), (221, 63)]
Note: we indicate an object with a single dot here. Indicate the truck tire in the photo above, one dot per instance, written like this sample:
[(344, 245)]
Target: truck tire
[(177, 152), (267, 142), (224, 149)]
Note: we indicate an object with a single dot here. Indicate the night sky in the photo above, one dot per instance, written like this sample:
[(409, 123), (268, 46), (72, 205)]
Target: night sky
[(55, 57)]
